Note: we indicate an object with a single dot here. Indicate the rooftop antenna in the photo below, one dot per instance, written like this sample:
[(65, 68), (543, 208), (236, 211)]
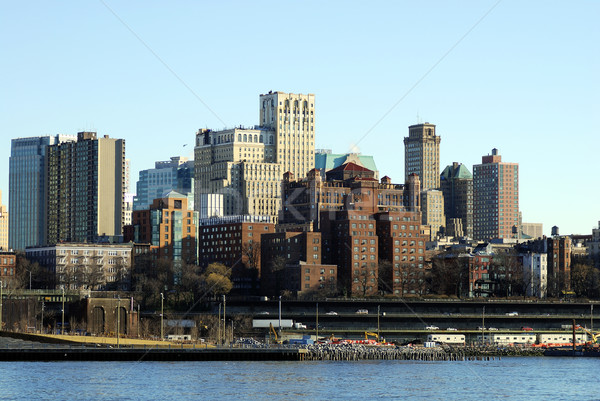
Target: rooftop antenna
[(418, 118)]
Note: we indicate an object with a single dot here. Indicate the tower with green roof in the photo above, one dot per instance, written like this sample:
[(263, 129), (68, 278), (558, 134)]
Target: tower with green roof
[(456, 182)]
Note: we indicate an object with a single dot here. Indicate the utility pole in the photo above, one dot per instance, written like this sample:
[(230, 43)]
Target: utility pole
[(118, 319), (378, 322), (0, 305), (219, 326), (62, 327), (317, 326), (483, 326), (224, 322), (280, 316), (162, 299)]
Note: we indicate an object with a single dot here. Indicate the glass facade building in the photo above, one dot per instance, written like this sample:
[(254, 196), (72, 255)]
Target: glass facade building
[(28, 190)]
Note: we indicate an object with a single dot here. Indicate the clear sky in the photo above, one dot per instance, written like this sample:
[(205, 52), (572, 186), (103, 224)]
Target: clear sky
[(518, 76)]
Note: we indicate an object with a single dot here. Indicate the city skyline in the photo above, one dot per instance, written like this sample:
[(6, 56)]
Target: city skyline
[(488, 75)]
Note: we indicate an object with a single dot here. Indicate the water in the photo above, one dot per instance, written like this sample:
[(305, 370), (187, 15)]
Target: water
[(506, 379)]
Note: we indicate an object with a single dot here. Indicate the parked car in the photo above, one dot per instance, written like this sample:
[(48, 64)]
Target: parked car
[(331, 313), (524, 328), (493, 329), (432, 328), (362, 312), (512, 314), (451, 329)]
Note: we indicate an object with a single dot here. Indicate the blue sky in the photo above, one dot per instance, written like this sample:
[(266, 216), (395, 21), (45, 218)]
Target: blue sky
[(518, 76)]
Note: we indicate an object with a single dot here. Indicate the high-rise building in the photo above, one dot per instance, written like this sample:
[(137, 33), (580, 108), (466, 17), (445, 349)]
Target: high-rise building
[(28, 190), (3, 225), (291, 117), (86, 180), (176, 174), (456, 183), (495, 198), (239, 164), (422, 155)]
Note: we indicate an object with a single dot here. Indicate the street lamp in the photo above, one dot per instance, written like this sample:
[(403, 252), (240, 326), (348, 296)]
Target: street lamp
[(483, 326), (162, 298), (317, 325), (118, 319), (62, 326), (280, 316), (0, 305), (378, 322), (224, 324)]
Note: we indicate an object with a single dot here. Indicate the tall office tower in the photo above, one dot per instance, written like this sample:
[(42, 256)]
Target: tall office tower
[(86, 179), (176, 174), (240, 165), (28, 190), (3, 225), (456, 182), (495, 198), (422, 155), (291, 117)]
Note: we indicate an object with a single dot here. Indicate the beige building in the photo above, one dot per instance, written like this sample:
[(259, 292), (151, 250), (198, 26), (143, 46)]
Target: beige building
[(3, 225), (422, 155), (291, 117), (240, 165), (432, 212), (246, 165), (533, 230), (80, 266)]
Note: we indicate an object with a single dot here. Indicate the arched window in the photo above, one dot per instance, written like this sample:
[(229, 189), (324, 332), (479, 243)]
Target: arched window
[(240, 137), (245, 138), (255, 138), (261, 139)]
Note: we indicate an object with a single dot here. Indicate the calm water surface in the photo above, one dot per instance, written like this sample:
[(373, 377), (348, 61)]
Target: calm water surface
[(506, 379)]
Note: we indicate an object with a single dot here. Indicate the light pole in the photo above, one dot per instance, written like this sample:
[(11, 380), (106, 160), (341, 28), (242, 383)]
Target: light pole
[(162, 298), (42, 325), (224, 322), (118, 319), (280, 316), (219, 327), (62, 326), (483, 326), (0, 305), (378, 322), (317, 325)]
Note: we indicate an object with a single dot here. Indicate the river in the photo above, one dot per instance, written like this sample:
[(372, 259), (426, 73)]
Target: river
[(514, 378)]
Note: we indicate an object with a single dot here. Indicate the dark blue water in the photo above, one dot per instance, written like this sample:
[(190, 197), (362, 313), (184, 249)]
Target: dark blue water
[(506, 379)]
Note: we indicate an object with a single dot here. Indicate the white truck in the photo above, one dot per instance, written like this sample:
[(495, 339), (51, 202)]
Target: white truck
[(299, 325)]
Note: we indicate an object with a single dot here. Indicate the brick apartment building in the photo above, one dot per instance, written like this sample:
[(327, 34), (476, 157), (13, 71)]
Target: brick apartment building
[(292, 261), (235, 242)]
